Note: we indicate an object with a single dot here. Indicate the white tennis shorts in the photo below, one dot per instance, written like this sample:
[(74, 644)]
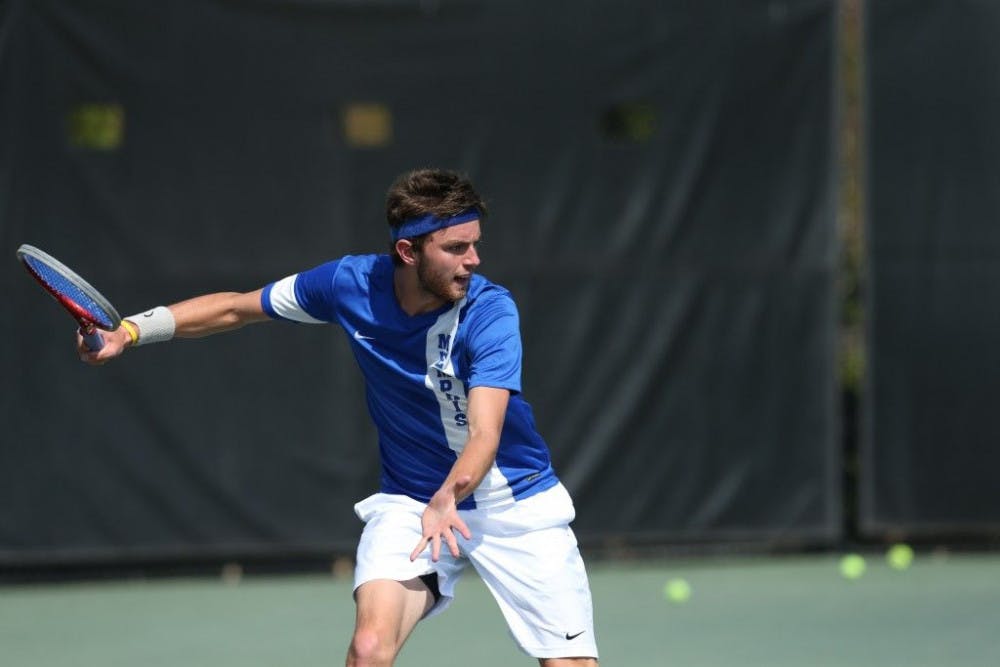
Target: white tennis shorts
[(526, 553)]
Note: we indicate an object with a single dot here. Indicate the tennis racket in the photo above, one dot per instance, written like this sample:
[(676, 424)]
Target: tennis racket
[(87, 306)]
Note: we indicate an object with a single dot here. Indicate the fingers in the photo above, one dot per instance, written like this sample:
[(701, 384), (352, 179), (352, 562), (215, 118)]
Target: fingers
[(87, 355), (421, 545), (112, 348), (435, 541), (452, 543), (462, 528), (436, 548), (439, 526)]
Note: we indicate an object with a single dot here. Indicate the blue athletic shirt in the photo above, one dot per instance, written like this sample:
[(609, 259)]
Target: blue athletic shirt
[(419, 370)]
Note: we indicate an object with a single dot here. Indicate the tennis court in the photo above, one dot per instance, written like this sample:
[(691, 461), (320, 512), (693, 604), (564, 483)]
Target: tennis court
[(775, 611), (754, 252)]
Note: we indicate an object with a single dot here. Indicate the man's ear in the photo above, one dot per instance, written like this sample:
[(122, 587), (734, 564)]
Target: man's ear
[(406, 251)]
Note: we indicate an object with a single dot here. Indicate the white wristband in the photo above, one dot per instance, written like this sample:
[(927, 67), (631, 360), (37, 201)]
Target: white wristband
[(155, 326)]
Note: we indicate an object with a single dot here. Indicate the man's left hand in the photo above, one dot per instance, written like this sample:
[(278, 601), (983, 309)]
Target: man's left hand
[(440, 520)]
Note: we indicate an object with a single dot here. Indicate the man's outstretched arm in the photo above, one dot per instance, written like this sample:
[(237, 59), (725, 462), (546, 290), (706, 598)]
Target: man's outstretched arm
[(194, 318)]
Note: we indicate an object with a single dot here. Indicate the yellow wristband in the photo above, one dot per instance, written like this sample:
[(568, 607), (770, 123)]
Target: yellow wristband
[(132, 333)]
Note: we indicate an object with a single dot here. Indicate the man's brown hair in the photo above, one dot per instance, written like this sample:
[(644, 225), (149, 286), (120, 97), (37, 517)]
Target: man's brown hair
[(438, 192)]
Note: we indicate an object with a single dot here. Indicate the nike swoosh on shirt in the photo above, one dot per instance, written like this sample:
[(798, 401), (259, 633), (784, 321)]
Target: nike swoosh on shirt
[(359, 336), (569, 636)]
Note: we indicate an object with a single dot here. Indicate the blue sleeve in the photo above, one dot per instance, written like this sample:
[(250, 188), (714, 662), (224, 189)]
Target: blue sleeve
[(494, 346), (315, 291)]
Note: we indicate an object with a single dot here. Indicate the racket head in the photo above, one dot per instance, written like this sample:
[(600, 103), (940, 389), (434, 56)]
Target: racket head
[(76, 295)]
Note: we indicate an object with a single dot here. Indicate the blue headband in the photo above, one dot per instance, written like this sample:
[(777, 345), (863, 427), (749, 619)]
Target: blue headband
[(431, 223)]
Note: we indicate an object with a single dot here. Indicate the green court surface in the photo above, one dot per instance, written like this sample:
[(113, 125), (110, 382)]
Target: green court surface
[(775, 611)]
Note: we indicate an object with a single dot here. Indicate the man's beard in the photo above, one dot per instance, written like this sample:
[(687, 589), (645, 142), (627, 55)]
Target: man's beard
[(437, 284)]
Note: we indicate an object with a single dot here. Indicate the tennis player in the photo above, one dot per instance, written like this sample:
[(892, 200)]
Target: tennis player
[(466, 478)]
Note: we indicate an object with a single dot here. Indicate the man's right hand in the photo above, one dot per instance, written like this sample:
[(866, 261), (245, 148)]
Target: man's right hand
[(115, 343)]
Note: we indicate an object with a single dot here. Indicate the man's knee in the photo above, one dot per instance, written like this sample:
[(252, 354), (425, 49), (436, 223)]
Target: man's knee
[(369, 650)]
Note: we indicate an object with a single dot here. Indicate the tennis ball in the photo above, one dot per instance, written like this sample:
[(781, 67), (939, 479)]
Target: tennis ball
[(677, 591), (852, 566), (899, 556)]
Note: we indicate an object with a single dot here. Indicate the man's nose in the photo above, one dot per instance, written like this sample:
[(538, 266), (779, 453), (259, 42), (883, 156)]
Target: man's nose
[(472, 257)]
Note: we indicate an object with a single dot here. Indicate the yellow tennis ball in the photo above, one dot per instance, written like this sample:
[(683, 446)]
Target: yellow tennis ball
[(677, 591), (899, 556), (852, 566)]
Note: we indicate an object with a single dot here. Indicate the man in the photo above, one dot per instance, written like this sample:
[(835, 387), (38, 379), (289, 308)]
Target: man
[(466, 478)]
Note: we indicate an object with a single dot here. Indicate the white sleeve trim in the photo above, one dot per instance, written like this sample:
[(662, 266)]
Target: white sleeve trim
[(283, 302)]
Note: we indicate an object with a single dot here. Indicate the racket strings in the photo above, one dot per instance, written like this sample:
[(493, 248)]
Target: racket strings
[(62, 285)]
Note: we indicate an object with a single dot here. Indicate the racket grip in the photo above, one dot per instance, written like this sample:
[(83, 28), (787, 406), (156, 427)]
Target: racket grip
[(92, 339)]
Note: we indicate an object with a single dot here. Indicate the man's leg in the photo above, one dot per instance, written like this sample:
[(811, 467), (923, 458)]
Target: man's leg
[(387, 611), (567, 662)]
